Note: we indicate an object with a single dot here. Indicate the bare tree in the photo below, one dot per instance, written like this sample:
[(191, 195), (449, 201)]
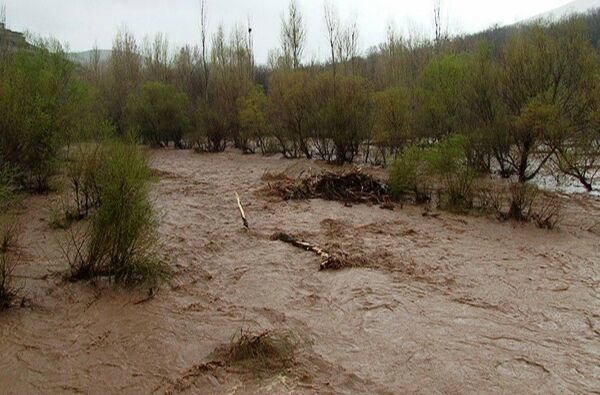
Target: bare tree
[(439, 33), (3, 14), (156, 58), (203, 47), (3, 42), (348, 44), (332, 25), (293, 35), (250, 46)]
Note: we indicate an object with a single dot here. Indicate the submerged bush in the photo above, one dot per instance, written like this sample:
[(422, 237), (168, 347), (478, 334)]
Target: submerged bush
[(121, 240), (447, 161), (408, 176), (82, 172), (7, 290), (524, 203), (267, 350), (8, 240), (442, 167)]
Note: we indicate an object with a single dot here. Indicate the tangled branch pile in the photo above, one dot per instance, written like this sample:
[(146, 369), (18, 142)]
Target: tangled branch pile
[(351, 186)]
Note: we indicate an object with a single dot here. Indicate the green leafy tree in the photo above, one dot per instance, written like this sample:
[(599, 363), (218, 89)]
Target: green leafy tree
[(341, 115), (43, 108), (253, 117), (160, 113), (290, 106), (546, 77), (391, 121), (441, 102)]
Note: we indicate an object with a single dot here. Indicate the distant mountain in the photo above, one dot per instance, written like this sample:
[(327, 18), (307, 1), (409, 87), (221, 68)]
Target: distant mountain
[(574, 7), (86, 57)]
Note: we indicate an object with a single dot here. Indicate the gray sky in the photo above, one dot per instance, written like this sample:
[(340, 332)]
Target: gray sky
[(82, 23)]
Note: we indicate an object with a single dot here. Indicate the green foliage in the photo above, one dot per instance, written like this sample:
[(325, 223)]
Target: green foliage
[(485, 119), (408, 175), (442, 167), (253, 118), (340, 115), (442, 106), (391, 120), (160, 112), (121, 243), (210, 131), (42, 108), (447, 161), (548, 88), (290, 105)]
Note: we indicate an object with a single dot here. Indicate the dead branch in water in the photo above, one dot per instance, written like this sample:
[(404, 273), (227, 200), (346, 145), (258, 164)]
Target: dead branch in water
[(330, 261), (242, 213)]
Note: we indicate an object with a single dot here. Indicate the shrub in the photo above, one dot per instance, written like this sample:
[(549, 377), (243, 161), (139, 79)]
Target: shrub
[(548, 212), (253, 119), (391, 121), (121, 240), (290, 105), (340, 116), (408, 176), (267, 350), (82, 171), (160, 112), (522, 198), (8, 234), (523, 202), (442, 167), (8, 241), (7, 185), (447, 162), (7, 290), (210, 131)]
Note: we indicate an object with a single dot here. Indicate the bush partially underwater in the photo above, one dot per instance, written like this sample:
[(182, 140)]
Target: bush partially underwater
[(120, 241)]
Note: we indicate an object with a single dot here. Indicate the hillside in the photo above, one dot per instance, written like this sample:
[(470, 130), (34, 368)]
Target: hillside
[(575, 7), (85, 57)]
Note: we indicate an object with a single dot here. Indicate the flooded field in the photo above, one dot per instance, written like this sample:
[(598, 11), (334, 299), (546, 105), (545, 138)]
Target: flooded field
[(442, 304)]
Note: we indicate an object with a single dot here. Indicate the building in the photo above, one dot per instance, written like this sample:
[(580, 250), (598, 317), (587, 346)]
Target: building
[(10, 39)]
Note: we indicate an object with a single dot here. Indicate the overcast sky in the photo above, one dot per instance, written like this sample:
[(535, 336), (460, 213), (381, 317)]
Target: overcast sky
[(83, 23)]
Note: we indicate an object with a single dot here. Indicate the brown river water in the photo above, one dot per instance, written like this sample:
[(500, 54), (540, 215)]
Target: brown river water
[(440, 305)]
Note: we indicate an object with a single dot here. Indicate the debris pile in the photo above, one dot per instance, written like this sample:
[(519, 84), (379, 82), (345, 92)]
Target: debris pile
[(351, 186)]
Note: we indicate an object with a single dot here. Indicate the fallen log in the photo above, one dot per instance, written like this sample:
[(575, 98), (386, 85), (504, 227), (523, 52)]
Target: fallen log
[(330, 261), (242, 213)]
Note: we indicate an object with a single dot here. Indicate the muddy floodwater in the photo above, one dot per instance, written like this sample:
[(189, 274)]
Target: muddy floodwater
[(453, 304)]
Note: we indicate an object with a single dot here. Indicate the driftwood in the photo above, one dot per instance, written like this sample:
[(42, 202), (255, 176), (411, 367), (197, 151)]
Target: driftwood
[(351, 186), (242, 213), (429, 214), (330, 261)]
